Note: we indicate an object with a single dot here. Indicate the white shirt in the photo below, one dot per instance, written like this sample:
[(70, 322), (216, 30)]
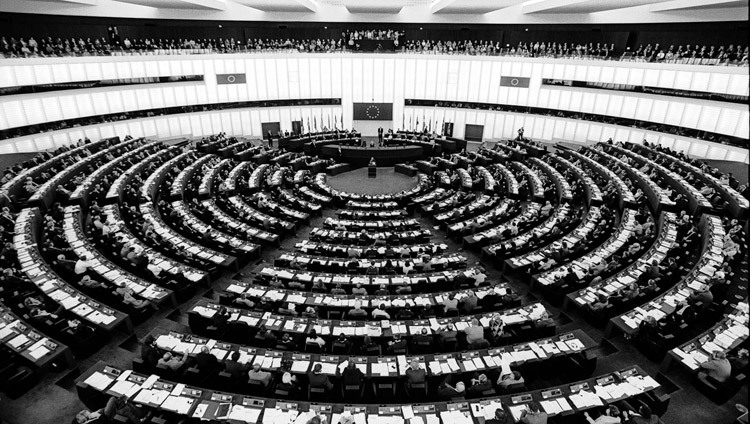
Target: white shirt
[(82, 266)]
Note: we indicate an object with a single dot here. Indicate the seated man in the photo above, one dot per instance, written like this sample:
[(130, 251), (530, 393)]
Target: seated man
[(172, 362), (233, 367), (717, 368), (415, 374), (447, 392), (509, 379), (479, 385), (610, 416), (397, 344), (286, 342), (318, 379), (380, 313), (534, 415), (256, 374), (424, 337), (357, 312), (206, 361)]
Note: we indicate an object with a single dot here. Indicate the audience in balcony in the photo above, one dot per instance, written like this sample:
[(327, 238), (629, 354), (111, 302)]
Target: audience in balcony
[(49, 46)]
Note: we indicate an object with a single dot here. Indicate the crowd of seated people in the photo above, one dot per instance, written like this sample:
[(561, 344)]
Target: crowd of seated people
[(55, 46)]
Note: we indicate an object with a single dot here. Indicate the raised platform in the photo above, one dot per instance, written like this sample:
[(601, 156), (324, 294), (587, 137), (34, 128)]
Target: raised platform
[(384, 156)]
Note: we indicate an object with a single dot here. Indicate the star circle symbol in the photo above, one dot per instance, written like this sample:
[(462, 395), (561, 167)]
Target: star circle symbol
[(372, 111), (514, 82), (231, 78)]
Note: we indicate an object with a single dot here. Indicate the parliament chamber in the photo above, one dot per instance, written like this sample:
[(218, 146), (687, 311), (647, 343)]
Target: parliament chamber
[(374, 212)]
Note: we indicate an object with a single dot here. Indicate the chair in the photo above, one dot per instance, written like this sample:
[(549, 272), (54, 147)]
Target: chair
[(719, 392), (417, 389), (338, 348), (423, 346), (312, 347), (319, 393), (256, 387), (352, 390)]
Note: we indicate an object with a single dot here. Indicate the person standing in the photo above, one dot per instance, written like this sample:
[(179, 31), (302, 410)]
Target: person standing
[(380, 136)]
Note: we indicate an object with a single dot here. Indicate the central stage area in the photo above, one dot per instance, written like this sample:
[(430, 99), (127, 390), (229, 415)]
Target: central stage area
[(387, 181), (384, 156)]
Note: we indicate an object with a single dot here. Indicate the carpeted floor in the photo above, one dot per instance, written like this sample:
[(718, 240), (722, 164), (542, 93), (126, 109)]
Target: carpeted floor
[(386, 181)]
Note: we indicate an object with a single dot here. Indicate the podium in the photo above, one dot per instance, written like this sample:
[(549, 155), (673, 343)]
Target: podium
[(371, 171)]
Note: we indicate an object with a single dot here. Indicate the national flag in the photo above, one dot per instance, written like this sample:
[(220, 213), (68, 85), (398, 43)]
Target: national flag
[(230, 78), (519, 82), (373, 111)]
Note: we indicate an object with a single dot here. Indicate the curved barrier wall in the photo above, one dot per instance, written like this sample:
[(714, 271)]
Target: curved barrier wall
[(377, 78)]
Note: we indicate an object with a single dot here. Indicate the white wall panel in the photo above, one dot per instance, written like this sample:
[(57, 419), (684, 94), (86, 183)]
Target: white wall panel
[(643, 111), (743, 126), (43, 73), (143, 99), (14, 114), (325, 80), (659, 111), (85, 105), (738, 84), (34, 111), (386, 78), (651, 77), (691, 115), (358, 88), (709, 118)]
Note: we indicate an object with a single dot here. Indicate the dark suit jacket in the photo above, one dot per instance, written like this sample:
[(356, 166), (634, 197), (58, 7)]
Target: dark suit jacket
[(319, 380), (206, 362)]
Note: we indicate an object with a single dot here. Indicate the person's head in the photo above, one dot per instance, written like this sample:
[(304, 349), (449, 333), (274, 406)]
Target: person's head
[(204, 349), (286, 378), (482, 378), (500, 416), (613, 411), (719, 355), (318, 368), (535, 407), (645, 412), (742, 353), (414, 364), (397, 337), (516, 375), (313, 333), (424, 331), (256, 367), (314, 420), (236, 355), (167, 356), (460, 387)]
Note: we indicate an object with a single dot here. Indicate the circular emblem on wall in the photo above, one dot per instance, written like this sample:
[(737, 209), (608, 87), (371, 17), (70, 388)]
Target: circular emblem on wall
[(372, 112), (514, 82), (231, 78)]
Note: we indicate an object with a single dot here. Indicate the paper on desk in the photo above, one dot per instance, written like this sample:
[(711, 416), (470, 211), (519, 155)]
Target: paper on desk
[(99, 381), (407, 411), (245, 414)]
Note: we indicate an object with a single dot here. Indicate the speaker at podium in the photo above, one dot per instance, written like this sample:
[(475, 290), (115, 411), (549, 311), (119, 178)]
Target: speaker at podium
[(372, 169)]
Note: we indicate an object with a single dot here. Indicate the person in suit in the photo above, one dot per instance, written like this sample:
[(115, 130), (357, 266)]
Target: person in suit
[(206, 361), (534, 415), (318, 379), (233, 367), (717, 368), (380, 136)]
